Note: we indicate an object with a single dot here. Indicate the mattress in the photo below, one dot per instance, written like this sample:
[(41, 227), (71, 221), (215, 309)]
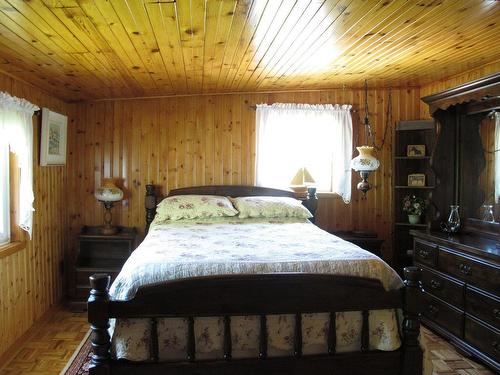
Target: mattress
[(223, 246)]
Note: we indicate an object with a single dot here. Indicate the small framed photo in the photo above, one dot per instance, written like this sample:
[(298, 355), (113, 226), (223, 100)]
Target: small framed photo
[(415, 150), (54, 135), (416, 179)]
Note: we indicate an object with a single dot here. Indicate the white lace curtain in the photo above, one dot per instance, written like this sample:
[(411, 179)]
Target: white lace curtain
[(318, 137), (16, 131)]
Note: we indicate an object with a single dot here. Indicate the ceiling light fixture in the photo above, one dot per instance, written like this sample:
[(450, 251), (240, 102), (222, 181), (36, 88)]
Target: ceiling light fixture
[(365, 162)]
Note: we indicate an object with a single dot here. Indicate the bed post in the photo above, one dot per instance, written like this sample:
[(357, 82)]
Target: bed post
[(412, 357), (99, 323), (150, 204)]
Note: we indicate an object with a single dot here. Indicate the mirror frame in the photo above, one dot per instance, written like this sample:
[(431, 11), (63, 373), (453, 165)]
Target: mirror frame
[(453, 109)]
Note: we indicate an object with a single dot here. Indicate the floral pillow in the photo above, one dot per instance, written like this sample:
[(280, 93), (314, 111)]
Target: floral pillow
[(194, 206), (270, 207)]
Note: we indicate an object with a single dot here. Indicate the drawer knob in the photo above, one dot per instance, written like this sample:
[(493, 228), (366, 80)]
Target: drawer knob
[(496, 313), (464, 268), (433, 310), (496, 345), (422, 253), (435, 284)]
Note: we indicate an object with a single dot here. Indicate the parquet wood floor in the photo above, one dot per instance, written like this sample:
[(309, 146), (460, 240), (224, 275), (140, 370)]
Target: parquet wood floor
[(440, 358), (51, 344)]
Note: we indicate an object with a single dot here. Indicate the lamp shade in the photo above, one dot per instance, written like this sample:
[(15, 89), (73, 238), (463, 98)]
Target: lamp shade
[(108, 192), (302, 178), (365, 161)]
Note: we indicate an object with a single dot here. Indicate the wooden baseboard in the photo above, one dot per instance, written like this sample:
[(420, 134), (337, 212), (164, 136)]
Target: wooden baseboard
[(11, 352)]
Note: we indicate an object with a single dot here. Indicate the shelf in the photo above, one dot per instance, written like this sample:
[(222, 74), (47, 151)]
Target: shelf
[(413, 187), (412, 157), (411, 225), (415, 125), (99, 265)]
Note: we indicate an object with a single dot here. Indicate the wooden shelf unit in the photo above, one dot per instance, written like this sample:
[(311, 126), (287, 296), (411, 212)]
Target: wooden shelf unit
[(418, 132)]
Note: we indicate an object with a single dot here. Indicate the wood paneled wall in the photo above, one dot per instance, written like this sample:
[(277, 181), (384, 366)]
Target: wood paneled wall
[(30, 279), (196, 140)]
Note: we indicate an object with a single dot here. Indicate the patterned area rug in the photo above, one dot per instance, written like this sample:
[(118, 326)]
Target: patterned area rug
[(79, 363), (440, 358)]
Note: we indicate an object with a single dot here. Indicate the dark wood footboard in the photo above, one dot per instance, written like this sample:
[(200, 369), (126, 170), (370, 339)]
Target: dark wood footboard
[(260, 295)]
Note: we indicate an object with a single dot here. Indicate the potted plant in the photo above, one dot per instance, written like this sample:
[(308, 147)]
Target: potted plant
[(414, 206)]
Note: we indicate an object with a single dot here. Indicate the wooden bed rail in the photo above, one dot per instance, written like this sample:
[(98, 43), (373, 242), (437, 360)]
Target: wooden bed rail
[(310, 201), (233, 295)]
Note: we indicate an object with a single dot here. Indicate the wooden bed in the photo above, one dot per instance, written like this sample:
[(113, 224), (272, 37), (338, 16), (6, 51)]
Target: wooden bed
[(233, 295)]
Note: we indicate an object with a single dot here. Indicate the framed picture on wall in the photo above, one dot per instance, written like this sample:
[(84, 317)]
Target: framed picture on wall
[(53, 140)]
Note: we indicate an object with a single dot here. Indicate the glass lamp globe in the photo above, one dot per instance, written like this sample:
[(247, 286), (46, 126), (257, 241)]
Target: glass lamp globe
[(365, 163)]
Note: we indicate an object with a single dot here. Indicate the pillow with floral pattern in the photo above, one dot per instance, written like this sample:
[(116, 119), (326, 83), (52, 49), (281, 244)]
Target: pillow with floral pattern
[(270, 207), (194, 206)]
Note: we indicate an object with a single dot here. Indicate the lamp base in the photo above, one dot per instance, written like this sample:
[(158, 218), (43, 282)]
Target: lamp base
[(364, 185), (107, 228)]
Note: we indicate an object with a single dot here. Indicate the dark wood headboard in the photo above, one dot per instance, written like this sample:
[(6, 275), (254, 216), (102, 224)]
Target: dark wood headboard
[(310, 202)]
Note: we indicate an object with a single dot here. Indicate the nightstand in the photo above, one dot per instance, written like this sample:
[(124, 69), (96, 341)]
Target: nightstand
[(364, 239), (99, 253)]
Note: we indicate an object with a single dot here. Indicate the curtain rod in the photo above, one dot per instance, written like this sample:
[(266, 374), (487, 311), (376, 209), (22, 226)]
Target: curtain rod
[(254, 107)]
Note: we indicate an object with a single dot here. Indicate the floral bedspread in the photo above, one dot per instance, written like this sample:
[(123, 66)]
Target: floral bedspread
[(219, 246)]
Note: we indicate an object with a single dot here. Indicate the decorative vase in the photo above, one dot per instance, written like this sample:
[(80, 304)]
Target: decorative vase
[(414, 219), (454, 219), (453, 223), (488, 213)]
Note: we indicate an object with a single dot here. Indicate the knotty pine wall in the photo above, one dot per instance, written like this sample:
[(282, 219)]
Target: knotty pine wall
[(30, 280), (197, 140)]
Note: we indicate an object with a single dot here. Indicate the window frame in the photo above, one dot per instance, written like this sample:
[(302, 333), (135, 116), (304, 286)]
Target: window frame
[(340, 182), (17, 240)]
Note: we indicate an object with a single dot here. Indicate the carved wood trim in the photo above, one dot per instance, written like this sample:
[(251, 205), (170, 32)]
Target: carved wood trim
[(483, 89)]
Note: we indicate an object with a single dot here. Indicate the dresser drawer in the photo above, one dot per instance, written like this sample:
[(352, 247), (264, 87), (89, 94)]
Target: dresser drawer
[(479, 274), (425, 253), (485, 307), (486, 339), (443, 287), (443, 314)]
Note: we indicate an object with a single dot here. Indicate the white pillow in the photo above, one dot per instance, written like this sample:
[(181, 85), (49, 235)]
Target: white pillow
[(270, 207), (194, 206)]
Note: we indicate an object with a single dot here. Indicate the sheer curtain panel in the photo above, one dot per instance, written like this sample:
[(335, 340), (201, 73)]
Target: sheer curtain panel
[(318, 137), (4, 192), (16, 130)]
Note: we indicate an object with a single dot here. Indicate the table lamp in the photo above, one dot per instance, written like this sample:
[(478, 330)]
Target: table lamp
[(108, 193), (301, 181)]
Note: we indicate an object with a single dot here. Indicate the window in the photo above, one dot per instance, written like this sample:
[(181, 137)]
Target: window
[(16, 167), (292, 136)]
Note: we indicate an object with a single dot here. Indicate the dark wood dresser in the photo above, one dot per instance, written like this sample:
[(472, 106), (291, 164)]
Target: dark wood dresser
[(99, 253), (461, 290)]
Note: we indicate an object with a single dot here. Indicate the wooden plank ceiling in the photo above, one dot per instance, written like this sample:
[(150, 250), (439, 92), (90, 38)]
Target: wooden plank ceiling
[(82, 49)]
